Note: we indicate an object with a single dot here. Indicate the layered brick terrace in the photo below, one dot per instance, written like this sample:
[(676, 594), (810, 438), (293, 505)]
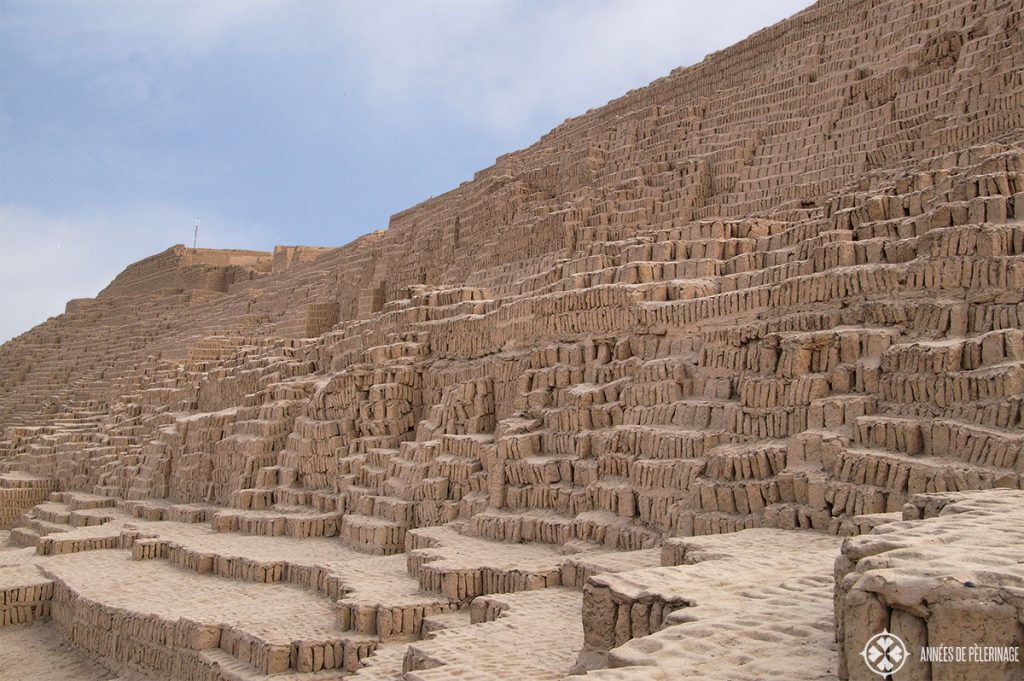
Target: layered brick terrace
[(776, 297)]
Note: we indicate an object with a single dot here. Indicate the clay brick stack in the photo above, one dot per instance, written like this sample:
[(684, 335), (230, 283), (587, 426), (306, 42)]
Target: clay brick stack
[(779, 290), (20, 492)]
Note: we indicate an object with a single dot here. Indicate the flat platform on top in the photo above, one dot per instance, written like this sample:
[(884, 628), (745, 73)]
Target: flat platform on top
[(536, 637), (760, 607), (276, 613)]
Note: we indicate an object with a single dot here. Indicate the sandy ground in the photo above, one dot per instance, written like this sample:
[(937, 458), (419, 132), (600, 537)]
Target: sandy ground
[(37, 651)]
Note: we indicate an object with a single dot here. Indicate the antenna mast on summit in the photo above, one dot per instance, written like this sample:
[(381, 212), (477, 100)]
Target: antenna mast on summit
[(195, 236)]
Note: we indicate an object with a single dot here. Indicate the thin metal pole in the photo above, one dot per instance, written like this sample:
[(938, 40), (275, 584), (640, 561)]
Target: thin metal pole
[(195, 237)]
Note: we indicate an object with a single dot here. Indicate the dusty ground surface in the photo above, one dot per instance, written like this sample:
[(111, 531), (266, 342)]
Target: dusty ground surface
[(38, 652)]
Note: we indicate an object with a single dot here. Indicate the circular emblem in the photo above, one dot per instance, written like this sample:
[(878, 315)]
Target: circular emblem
[(885, 653)]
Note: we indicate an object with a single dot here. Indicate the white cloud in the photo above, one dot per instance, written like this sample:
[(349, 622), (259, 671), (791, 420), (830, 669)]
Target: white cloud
[(104, 29), (495, 63), (49, 259), (500, 63)]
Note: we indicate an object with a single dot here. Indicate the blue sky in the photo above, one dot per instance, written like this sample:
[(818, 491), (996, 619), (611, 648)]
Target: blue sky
[(288, 121)]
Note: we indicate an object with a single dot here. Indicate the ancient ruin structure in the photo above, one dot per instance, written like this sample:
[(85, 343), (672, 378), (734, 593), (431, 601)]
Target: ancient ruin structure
[(717, 381)]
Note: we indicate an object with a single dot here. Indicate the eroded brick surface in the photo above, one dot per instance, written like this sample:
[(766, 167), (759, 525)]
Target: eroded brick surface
[(775, 296)]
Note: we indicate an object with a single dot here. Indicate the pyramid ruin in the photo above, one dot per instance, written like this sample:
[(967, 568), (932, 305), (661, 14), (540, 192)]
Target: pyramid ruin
[(723, 380)]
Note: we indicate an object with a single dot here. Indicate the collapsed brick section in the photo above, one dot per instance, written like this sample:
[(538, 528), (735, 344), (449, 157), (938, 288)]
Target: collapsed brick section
[(19, 493), (948, 575)]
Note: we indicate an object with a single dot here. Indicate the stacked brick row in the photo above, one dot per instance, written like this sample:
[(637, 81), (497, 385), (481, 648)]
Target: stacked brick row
[(781, 289)]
